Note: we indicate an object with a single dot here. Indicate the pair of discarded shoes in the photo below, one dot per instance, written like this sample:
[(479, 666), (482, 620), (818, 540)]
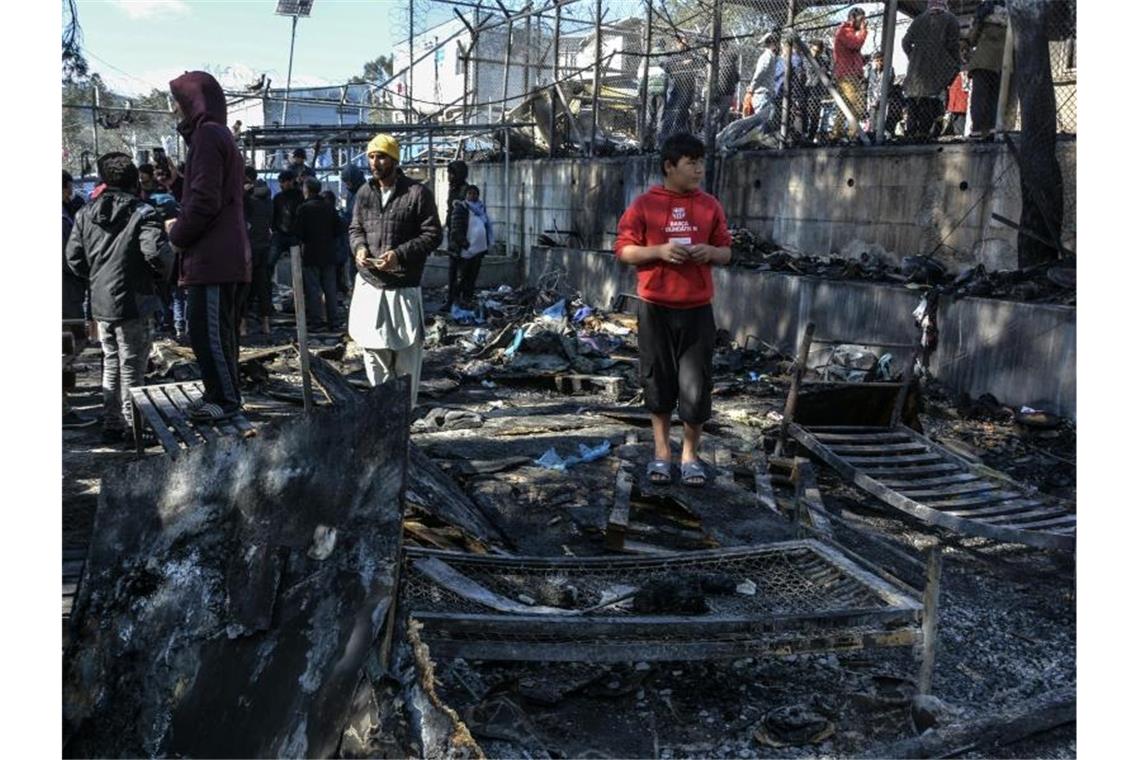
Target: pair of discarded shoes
[(660, 472)]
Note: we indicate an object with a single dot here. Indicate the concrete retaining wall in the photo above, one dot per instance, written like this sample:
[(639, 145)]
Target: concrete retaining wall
[(1021, 353), (893, 200)]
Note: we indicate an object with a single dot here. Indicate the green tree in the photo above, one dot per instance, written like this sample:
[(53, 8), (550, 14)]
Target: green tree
[(377, 69)]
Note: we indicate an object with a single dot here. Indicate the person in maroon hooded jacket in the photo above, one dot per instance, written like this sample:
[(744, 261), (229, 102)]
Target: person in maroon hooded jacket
[(210, 237), (672, 234)]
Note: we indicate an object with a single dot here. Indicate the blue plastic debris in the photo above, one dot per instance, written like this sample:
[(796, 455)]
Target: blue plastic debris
[(556, 310), (516, 343), (582, 313), (551, 460), (465, 316)]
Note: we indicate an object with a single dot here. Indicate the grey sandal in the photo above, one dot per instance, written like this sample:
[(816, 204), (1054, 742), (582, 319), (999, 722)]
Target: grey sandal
[(693, 474), (659, 472)]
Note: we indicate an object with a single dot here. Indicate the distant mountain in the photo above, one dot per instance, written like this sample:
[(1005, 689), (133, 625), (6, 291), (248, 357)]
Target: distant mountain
[(234, 76)]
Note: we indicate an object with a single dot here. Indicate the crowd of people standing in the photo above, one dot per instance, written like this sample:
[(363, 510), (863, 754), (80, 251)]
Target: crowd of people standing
[(951, 84)]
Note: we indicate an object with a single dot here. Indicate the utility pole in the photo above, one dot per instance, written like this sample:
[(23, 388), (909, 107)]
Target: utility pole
[(289, 76), (411, 55)]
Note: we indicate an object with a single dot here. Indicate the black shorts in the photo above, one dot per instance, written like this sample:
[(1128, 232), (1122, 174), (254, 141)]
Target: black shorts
[(676, 351)]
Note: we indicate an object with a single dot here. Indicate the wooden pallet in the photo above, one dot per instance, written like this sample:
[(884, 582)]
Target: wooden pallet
[(163, 409), (936, 486)]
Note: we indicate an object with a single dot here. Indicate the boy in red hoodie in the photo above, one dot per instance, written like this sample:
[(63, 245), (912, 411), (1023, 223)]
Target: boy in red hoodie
[(673, 234)]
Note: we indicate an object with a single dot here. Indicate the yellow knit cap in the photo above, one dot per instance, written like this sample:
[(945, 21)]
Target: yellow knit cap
[(385, 144)]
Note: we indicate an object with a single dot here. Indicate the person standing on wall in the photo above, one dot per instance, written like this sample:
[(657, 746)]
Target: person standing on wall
[(849, 39), (673, 234), (931, 47), (987, 36), (395, 226), (210, 238)]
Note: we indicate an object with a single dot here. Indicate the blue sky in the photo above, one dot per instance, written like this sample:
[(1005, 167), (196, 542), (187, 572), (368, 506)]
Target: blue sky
[(140, 44)]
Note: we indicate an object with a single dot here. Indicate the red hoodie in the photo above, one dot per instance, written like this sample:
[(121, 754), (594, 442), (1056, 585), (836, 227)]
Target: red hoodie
[(848, 51), (661, 215)]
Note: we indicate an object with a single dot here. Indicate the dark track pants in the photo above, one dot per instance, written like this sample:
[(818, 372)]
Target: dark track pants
[(212, 323)]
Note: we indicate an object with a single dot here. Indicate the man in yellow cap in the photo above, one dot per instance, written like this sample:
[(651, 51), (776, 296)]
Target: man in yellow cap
[(395, 226)]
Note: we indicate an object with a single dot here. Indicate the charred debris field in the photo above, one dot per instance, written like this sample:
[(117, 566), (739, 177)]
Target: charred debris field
[(528, 428)]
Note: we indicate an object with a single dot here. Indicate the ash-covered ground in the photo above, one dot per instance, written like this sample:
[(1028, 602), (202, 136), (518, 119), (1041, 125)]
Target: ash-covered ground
[(1007, 615)]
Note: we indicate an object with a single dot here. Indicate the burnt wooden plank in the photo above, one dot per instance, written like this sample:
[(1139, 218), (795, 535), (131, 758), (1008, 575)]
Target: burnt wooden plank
[(807, 493), (654, 651), (894, 461), (336, 387), (163, 400), (877, 449), (951, 489), (916, 470), (618, 523), (861, 429), (989, 510), (144, 405), (1033, 517), (942, 480), (762, 481), (183, 399), (830, 438), (988, 497)]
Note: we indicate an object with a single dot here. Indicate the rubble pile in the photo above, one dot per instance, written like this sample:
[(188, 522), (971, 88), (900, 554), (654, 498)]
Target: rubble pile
[(527, 427), (1048, 283)]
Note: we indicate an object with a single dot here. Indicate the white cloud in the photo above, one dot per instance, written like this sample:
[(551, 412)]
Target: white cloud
[(148, 9)]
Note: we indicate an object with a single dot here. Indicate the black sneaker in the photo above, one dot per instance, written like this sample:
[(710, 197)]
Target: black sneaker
[(75, 421)]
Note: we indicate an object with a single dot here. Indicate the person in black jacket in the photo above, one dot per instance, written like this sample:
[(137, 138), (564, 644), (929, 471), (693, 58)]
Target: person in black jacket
[(285, 205), (395, 226), (318, 228), (259, 222), (455, 223), (119, 246)]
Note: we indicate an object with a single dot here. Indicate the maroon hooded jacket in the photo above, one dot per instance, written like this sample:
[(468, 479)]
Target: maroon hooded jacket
[(210, 230)]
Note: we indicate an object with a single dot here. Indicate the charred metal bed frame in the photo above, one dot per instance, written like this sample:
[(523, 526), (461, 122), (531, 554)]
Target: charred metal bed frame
[(809, 598), (929, 482)]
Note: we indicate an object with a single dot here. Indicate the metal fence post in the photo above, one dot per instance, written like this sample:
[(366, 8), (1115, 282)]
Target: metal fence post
[(94, 121), (710, 86), (506, 68), (1006, 71), (786, 99), (643, 87), (597, 75), (507, 185), (889, 23), (554, 81)]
